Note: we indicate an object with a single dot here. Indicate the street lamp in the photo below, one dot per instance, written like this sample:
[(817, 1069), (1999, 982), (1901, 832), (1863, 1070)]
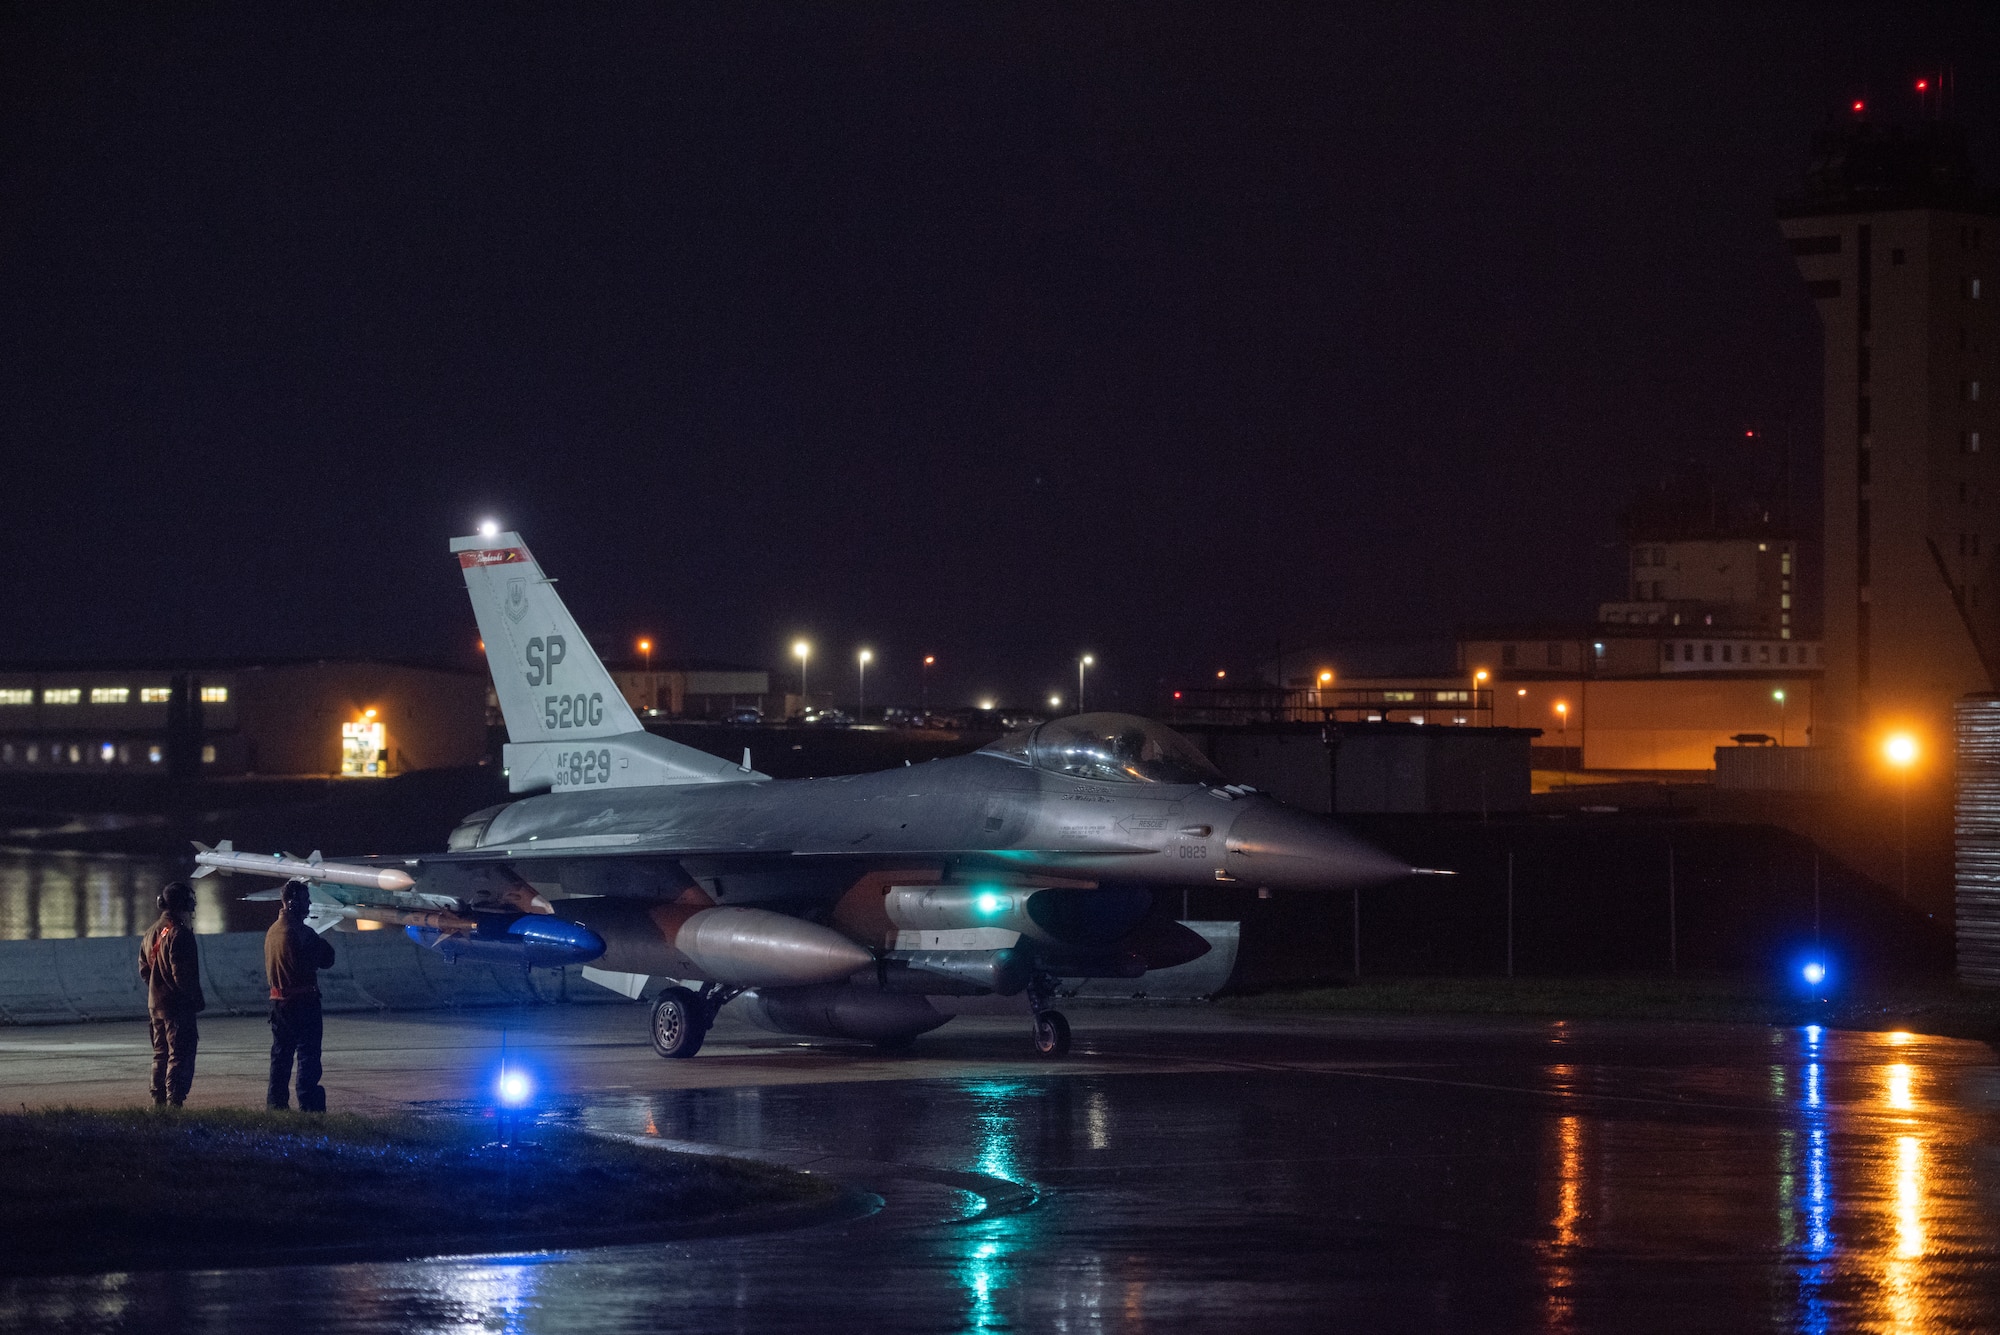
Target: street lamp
[(652, 691), (1055, 702), (1319, 692), (1479, 684), (1901, 751), (1779, 696), (803, 651), (1085, 662), (925, 688), (1520, 694), (861, 661), (1562, 713)]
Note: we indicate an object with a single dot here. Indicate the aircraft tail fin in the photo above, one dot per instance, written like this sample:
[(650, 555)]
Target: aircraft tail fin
[(568, 724), (551, 683)]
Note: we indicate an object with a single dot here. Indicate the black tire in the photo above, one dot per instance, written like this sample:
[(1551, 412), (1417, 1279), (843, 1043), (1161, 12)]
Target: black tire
[(1051, 1034), (679, 1023)]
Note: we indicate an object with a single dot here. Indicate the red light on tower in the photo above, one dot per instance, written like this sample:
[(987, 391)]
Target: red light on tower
[(1923, 85), (1859, 106)]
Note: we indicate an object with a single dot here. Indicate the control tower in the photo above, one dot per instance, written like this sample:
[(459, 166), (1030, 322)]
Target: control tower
[(1897, 247)]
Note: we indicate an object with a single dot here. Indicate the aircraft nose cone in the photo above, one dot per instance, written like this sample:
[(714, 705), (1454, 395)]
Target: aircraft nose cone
[(1278, 846)]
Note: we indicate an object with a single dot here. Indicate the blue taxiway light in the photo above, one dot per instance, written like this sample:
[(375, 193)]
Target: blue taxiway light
[(1815, 973), (514, 1088)]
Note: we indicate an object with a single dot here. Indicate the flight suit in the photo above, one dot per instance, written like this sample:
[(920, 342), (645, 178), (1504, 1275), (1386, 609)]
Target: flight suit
[(170, 962), (293, 956)]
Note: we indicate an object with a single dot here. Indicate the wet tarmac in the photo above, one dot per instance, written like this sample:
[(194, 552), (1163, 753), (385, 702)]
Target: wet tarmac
[(1196, 1170)]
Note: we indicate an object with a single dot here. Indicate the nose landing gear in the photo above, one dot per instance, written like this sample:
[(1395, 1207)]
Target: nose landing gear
[(1051, 1029), (681, 1018), (1051, 1033)]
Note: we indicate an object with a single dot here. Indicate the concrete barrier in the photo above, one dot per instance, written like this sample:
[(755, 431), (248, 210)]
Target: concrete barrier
[(1184, 982), (97, 978)]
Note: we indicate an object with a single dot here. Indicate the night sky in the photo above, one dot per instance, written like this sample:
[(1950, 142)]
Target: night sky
[(995, 332)]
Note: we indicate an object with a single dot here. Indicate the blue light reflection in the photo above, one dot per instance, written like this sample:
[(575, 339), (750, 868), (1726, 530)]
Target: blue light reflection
[(1816, 1260)]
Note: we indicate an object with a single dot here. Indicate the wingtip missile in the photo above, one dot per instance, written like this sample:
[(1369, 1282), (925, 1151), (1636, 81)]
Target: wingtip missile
[(225, 859)]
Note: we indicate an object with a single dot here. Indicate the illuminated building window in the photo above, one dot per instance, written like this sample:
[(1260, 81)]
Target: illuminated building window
[(208, 755), (34, 753), (106, 752), (110, 695), (1399, 697), (1454, 697), (155, 695), (16, 696), (215, 695), (75, 754), (1785, 600), (152, 755), (363, 746), (62, 695)]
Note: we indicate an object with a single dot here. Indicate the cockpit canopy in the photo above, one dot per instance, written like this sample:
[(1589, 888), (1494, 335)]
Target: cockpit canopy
[(1122, 748)]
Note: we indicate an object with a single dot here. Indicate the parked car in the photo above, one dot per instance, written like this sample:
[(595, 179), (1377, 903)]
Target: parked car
[(747, 716)]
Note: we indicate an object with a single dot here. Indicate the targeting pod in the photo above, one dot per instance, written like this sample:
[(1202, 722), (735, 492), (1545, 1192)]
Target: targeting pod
[(533, 940)]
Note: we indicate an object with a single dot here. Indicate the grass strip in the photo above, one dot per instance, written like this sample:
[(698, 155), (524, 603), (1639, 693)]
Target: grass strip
[(1944, 1009), (93, 1191)]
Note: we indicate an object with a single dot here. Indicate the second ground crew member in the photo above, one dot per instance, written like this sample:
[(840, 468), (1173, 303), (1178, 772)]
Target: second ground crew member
[(293, 956), (170, 962)]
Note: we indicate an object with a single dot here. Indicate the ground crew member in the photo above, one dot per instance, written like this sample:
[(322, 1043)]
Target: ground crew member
[(293, 956), (170, 962)]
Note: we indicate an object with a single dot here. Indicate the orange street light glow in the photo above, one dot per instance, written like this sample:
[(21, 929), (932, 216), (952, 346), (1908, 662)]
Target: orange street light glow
[(1901, 750)]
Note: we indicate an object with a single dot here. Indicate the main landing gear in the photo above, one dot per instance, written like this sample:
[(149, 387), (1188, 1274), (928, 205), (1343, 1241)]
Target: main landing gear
[(1051, 1029), (681, 1018)]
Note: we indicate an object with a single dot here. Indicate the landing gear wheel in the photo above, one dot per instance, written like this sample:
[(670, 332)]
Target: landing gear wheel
[(1051, 1034), (680, 1023)]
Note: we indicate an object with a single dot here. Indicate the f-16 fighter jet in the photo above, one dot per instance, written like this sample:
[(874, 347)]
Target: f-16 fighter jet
[(862, 907)]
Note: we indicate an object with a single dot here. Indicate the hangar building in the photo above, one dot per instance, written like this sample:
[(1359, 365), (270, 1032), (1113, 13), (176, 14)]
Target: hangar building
[(356, 718)]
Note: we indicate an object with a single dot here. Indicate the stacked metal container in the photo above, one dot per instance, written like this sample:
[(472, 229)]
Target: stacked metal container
[(1977, 832)]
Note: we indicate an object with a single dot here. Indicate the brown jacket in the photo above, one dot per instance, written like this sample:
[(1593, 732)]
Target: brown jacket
[(170, 962), (293, 956)]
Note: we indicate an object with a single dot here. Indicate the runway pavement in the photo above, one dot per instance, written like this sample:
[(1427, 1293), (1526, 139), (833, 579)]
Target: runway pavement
[(1185, 1169)]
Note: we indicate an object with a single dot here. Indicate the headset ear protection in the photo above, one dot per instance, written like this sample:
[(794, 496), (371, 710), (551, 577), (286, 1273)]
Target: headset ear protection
[(176, 897)]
